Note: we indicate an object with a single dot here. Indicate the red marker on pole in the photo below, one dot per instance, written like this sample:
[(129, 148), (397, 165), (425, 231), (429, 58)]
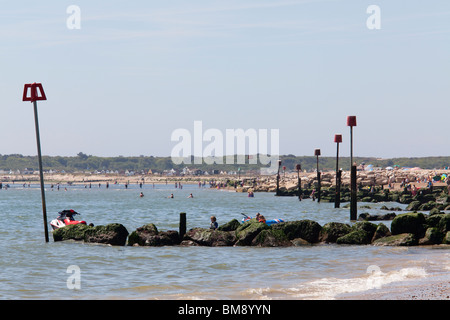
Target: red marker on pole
[(34, 96)]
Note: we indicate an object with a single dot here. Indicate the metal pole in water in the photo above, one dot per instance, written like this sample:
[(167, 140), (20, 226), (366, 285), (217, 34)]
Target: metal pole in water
[(34, 96), (41, 173)]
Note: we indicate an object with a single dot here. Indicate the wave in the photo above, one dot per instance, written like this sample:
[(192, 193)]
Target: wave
[(330, 288)]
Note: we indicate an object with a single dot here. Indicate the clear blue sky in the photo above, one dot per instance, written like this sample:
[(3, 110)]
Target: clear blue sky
[(138, 70)]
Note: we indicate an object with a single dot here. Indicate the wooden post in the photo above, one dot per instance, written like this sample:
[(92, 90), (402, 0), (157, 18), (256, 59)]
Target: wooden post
[(337, 201), (182, 225), (299, 182), (353, 200), (317, 154), (351, 122), (337, 197), (278, 178)]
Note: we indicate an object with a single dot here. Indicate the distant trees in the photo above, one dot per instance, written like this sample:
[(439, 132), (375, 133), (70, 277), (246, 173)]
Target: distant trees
[(84, 162)]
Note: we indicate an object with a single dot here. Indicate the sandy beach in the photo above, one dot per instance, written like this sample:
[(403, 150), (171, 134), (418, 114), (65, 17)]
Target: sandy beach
[(394, 178), (429, 289)]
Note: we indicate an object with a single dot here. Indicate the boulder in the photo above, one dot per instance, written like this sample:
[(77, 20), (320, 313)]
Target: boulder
[(376, 217), (362, 233), (71, 232), (271, 238), (354, 237), (210, 237), (148, 235), (403, 239), (247, 231), (444, 223), (113, 234), (230, 226), (409, 223), (446, 239), (381, 232), (306, 229), (297, 242), (435, 211), (331, 231), (433, 220), (427, 206), (432, 236), (413, 206)]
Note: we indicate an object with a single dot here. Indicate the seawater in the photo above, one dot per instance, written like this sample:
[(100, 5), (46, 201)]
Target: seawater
[(33, 269)]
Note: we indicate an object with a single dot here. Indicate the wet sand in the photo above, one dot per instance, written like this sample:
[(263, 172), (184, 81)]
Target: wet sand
[(437, 288)]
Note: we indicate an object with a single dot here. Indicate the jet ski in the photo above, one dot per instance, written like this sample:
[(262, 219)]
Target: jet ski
[(65, 218)]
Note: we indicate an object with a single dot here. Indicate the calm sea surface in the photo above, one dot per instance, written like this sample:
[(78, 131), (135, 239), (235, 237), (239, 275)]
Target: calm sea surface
[(33, 269)]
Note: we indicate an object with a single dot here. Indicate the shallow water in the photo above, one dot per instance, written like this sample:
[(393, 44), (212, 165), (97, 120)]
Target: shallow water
[(33, 269)]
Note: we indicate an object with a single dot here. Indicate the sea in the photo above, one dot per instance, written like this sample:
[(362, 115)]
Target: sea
[(31, 269)]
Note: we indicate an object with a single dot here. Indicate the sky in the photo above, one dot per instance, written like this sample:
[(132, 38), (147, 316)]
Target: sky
[(136, 71)]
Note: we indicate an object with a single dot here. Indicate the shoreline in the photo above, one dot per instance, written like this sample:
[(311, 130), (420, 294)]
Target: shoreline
[(395, 178), (430, 288)]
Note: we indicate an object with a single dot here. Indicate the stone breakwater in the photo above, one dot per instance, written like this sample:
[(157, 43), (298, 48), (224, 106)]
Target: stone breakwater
[(379, 178), (407, 229), (410, 228)]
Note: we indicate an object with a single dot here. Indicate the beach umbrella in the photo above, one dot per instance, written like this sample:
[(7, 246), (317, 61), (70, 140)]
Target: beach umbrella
[(389, 168)]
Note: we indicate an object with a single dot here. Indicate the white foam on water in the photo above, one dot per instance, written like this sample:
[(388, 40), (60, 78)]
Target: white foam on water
[(330, 288)]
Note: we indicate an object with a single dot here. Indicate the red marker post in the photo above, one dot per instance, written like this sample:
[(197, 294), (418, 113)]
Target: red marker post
[(34, 96), (351, 122), (337, 198)]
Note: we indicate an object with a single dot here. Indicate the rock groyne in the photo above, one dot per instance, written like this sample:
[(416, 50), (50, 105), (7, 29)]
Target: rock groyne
[(407, 229)]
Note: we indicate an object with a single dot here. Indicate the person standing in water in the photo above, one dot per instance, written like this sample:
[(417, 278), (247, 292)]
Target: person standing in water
[(214, 224)]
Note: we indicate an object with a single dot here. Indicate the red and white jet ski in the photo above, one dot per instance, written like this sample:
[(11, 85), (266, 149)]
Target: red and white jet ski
[(65, 218)]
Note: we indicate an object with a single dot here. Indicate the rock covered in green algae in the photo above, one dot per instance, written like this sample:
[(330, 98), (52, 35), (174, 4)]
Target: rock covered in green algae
[(381, 232), (230, 226), (411, 222), (71, 232), (209, 237), (271, 238), (331, 231), (305, 229), (246, 232), (148, 235), (362, 233), (114, 234), (403, 239), (432, 236)]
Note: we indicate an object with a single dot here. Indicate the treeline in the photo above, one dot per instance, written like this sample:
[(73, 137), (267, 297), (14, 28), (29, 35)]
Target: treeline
[(83, 162)]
